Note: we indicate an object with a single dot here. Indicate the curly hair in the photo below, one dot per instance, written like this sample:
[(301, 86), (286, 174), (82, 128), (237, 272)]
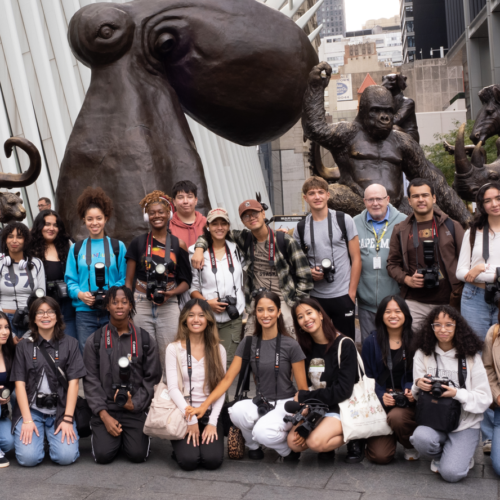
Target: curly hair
[(23, 231), (94, 198), (465, 341), (38, 244), (157, 197)]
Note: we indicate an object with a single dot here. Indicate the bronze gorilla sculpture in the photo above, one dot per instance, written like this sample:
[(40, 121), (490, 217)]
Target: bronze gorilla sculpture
[(236, 66), (369, 150)]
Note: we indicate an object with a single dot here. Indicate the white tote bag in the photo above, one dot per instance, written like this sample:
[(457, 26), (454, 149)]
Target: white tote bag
[(362, 415)]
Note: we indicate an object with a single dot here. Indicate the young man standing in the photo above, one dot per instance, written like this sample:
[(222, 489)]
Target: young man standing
[(280, 268), (328, 236), (375, 226), (430, 229), (187, 224)]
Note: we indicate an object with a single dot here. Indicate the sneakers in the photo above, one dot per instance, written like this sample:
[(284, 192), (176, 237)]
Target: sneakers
[(487, 447), (355, 451), (326, 456), (293, 457), (435, 465), (411, 454), (257, 454), (4, 462)]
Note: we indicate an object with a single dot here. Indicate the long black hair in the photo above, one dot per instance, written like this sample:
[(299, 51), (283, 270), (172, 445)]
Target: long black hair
[(9, 348), (383, 334), (465, 341), (23, 231), (303, 338), (39, 245), (266, 294), (481, 217)]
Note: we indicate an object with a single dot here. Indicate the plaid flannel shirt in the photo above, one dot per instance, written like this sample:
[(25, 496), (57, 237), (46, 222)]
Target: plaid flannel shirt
[(294, 274)]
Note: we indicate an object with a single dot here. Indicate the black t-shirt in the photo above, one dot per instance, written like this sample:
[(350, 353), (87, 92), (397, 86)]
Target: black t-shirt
[(398, 369), (137, 251), (54, 270)]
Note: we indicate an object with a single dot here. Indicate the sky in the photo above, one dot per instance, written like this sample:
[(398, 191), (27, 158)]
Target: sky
[(360, 11)]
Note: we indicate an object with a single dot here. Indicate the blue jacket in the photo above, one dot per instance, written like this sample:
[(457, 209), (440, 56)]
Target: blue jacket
[(374, 366)]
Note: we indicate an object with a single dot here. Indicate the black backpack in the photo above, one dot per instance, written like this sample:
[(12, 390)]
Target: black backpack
[(115, 245)]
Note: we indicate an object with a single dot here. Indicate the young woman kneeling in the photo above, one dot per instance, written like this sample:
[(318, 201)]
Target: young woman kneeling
[(197, 343), (329, 382), (274, 381), (443, 342)]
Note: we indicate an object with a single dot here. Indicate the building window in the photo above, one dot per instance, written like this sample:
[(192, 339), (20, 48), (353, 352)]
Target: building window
[(411, 41)]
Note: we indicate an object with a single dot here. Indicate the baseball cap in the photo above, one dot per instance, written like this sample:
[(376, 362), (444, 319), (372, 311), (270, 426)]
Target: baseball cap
[(250, 205), (218, 213)]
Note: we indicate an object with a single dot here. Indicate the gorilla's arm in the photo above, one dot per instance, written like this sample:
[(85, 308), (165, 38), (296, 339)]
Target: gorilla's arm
[(415, 164)]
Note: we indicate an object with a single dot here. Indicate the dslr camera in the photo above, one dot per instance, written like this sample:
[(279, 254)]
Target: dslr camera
[(48, 401), (491, 289), (400, 399), (437, 389), (100, 281), (263, 405), (317, 410), (21, 316), (157, 285), (431, 272), (231, 309), (4, 409), (257, 291), (57, 289), (124, 387), (328, 270)]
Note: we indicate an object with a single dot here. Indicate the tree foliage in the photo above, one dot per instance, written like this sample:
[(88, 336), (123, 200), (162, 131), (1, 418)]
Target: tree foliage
[(446, 162)]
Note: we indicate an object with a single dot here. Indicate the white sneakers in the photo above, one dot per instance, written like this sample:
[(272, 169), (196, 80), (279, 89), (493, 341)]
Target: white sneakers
[(487, 447), (435, 465), (411, 454)]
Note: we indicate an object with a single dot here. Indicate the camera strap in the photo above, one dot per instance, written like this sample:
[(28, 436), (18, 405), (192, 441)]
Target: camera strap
[(276, 363), (416, 239), (330, 235), (88, 256), (389, 365), (462, 370), (230, 265), (52, 361), (189, 368), (133, 339), (272, 247), (486, 242)]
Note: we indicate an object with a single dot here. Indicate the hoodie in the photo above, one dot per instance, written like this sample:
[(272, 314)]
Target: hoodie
[(375, 284), (188, 233), (475, 397)]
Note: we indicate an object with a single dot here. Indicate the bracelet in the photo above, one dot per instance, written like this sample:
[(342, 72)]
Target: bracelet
[(27, 422), (67, 422), (69, 416)]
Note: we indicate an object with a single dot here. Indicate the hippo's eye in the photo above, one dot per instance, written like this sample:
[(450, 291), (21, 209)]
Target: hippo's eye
[(165, 43), (106, 31)]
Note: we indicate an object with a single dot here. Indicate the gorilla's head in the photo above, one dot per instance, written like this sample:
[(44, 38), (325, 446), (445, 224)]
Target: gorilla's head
[(376, 112), (394, 82)]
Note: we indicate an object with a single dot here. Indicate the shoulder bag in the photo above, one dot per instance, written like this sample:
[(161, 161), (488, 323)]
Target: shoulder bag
[(362, 415), (165, 420)]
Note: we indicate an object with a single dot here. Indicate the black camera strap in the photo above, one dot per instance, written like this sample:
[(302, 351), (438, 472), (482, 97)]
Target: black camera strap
[(53, 362), (486, 242), (416, 239), (271, 250), (330, 235), (189, 368), (108, 343), (389, 365), (88, 256), (276, 364), (462, 370), (230, 265)]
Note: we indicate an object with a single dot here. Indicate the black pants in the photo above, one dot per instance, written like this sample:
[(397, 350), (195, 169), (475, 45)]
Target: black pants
[(132, 440), (209, 456), (342, 312)]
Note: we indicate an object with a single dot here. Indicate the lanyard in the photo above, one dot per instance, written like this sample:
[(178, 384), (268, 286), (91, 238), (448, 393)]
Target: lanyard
[(389, 365), (416, 240), (230, 265), (149, 250), (486, 242), (190, 368), (88, 256), (330, 235), (276, 363), (133, 339), (378, 239), (271, 251)]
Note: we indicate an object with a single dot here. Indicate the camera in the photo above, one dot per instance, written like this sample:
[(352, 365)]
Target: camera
[(437, 382), (400, 399), (316, 411), (205, 419), (124, 387), (48, 401), (431, 273), (57, 289), (4, 409), (100, 281), (328, 270), (259, 290), (263, 405), (491, 289), (21, 316), (159, 284), (231, 309)]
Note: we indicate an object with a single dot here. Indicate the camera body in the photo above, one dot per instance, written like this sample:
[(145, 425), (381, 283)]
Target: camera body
[(4, 409), (157, 284), (57, 289), (400, 399), (21, 318), (328, 270), (491, 289), (263, 405), (231, 309), (124, 387), (431, 272), (100, 281), (310, 421), (206, 418), (99, 299), (437, 385), (48, 401)]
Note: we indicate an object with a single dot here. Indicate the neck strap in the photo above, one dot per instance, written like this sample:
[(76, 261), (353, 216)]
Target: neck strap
[(133, 339), (230, 265), (88, 256), (416, 239), (276, 364), (330, 235)]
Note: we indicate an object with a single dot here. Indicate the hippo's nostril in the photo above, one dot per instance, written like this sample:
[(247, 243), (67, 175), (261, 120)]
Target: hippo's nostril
[(165, 43)]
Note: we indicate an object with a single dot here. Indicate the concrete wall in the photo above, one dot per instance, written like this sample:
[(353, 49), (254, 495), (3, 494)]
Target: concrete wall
[(442, 122)]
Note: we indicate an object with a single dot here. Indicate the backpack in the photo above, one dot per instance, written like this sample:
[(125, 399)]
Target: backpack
[(115, 245)]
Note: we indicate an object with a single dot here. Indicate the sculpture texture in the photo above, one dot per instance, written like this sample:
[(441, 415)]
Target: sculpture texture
[(369, 150), (237, 67)]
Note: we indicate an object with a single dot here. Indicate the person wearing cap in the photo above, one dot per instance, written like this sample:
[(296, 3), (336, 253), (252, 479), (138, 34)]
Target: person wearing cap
[(272, 261), (158, 317), (221, 277)]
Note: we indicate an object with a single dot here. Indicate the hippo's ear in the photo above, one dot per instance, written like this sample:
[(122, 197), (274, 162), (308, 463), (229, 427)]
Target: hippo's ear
[(496, 93), (100, 33)]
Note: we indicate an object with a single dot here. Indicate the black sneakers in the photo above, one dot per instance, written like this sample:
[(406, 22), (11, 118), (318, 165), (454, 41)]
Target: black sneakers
[(355, 451), (293, 457), (4, 462), (326, 456), (257, 454)]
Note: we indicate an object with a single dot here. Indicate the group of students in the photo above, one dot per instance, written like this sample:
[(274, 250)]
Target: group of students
[(172, 304)]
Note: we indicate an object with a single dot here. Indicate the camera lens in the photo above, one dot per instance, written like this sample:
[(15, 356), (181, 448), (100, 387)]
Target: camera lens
[(39, 293), (326, 263), (123, 362), (5, 393), (160, 269)]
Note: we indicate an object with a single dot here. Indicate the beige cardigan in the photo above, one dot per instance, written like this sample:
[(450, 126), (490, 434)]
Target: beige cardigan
[(491, 360)]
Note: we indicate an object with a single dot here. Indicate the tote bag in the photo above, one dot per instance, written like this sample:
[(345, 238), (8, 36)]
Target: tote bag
[(362, 415), (165, 420)]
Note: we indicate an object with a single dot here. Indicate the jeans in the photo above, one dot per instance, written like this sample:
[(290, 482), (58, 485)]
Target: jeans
[(495, 442), (29, 455), (69, 316), (18, 332), (6, 436), (87, 322)]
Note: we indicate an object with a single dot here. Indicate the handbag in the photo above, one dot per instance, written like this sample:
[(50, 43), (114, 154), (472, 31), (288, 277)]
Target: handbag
[(165, 420), (235, 443), (362, 415), (441, 414)]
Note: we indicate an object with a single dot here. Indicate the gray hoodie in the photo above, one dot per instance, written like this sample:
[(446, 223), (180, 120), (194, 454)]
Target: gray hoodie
[(375, 284)]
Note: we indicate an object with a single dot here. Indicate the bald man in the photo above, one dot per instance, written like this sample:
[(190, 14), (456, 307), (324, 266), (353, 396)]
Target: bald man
[(375, 225)]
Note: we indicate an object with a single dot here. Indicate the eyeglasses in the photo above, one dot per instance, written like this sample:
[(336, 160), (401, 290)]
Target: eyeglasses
[(371, 201), (50, 312), (251, 214), (448, 327)]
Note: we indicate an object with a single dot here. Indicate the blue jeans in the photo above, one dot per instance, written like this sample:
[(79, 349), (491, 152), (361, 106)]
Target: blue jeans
[(29, 455), (18, 332), (87, 322), (495, 442), (69, 315), (6, 436)]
